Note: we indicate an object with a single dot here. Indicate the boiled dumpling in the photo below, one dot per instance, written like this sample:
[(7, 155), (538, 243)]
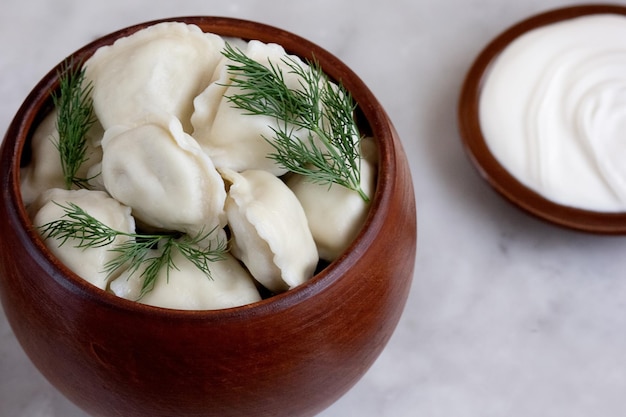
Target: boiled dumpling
[(158, 69), (206, 106), (269, 229), (161, 172), (88, 263), (44, 170), (336, 214), (188, 288), (233, 139), (94, 174)]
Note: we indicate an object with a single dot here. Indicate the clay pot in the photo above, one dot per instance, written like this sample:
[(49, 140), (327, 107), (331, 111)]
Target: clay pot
[(293, 354), (490, 169)]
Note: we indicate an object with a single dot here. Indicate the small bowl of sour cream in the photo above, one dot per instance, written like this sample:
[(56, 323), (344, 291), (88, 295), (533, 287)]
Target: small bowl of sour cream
[(542, 113)]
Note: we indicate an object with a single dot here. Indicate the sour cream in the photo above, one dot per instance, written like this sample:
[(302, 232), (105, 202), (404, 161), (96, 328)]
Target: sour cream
[(553, 111)]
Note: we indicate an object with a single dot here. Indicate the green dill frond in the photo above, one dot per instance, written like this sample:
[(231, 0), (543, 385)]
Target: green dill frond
[(324, 110), (148, 253), (75, 116)]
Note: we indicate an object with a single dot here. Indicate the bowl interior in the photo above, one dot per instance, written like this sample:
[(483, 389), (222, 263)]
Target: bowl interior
[(372, 120), (490, 169)]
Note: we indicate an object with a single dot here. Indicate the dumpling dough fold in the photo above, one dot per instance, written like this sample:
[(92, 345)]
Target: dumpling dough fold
[(161, 172), (270, 234), (158, 69)]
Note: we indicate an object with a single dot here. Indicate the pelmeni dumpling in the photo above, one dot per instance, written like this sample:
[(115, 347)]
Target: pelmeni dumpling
[(161, 172), (88, 263), (270, 234), (188, 288), (94, 175), (158, 69), (232, 138), (335, 214), (44, 170)]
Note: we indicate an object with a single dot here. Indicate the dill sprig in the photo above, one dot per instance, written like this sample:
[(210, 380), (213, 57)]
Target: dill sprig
[(151, 251), (330, 151), (75, 116)]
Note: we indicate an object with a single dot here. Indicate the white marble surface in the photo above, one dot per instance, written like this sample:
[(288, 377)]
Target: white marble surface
[(507, 316)]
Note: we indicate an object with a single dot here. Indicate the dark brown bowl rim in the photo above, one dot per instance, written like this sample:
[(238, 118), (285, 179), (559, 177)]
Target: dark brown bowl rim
[(35, 102), (486, 164)]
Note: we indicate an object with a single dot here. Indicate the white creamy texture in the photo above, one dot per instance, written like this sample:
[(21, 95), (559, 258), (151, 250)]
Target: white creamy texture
[(553, 111)]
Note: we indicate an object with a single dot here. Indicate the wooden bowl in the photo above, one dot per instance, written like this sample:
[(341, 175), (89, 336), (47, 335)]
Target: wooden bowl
[(490, 169), (290, 355)]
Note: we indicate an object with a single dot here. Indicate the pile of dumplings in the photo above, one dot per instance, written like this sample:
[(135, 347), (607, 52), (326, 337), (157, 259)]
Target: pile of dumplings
[(169, 152)]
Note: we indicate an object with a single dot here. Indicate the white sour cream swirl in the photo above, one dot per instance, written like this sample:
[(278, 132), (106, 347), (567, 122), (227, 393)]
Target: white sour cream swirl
[(553, 111)]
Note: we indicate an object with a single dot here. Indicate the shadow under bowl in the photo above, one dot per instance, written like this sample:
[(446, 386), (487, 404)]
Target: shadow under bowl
[(501, 180), (290, 355)]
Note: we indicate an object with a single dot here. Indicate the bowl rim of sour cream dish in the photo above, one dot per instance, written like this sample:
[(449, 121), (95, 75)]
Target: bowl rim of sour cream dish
[(489, 168)]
